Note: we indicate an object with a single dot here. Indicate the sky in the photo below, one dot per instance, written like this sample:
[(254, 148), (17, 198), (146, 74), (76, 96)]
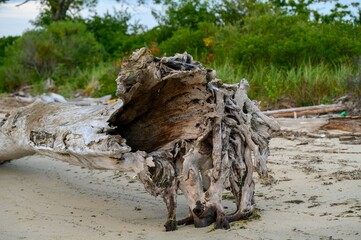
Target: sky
[(15, 20)]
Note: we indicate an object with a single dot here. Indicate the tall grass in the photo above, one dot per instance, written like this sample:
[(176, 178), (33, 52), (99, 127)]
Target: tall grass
[(306, 84), (95, 81)]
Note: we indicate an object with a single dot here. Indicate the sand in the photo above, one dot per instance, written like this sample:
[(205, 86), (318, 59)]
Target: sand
[(315, 194)]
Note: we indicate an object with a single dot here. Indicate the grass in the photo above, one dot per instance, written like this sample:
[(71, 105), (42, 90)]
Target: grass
[(307, 84), (90, 82), (94, 81)]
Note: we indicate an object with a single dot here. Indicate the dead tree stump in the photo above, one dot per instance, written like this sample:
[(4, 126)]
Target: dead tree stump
[(177, 126)]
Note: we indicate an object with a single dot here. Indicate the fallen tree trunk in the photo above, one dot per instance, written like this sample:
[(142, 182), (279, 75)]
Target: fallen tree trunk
[(176, 126), (301, 111)]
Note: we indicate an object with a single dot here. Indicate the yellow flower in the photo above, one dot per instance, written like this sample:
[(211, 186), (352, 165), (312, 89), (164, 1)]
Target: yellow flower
[(209, 42)]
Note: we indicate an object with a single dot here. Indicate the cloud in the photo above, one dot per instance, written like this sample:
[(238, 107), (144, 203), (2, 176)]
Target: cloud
[(15, 20)]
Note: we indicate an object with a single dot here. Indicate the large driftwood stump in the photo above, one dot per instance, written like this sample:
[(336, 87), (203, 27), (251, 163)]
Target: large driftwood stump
[(176, 126)]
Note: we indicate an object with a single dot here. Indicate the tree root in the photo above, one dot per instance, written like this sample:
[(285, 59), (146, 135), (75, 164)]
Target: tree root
[(225, 143)]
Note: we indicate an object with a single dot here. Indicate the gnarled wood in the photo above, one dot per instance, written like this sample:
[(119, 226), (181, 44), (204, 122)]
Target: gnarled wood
[(176, 126)]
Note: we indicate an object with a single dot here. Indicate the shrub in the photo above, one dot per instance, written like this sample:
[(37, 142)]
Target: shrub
[(195, 42), (288, 41), (110, 31), (4, 43), (58, 51)]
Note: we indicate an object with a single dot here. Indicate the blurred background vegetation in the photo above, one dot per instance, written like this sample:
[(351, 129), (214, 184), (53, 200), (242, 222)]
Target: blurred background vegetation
[(291, 54)]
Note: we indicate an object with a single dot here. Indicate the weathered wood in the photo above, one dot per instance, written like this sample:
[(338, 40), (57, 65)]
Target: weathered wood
[(339, 135), (348, 124), (177, 127), (338, 127), (67, 132), (301, 111)]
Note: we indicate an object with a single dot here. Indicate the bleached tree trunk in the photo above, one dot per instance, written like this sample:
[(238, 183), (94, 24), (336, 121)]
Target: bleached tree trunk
[(176, 126)]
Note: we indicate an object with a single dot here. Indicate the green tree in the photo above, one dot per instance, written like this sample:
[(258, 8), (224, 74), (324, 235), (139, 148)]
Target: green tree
[(185, 13), (338, 12), (235, 11), (110, 30), (58, 10)]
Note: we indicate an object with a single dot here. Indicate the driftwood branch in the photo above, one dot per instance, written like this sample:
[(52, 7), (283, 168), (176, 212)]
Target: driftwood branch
[(301, 111), (176, 126)]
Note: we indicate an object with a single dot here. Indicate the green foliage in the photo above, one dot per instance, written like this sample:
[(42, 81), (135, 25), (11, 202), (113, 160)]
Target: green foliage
[(4, 43), (188, 40), (234, 11), (106, 74), (285, 48), (186, 13), (288, 41), (95, 81), (58, 51), (303, 8), (110, 30), (307, 84)]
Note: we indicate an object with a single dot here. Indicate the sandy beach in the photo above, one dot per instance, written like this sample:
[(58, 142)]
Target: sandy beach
[(315, 194)]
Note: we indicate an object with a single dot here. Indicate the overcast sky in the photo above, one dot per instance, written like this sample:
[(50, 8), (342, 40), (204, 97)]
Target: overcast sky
[(15, 20)]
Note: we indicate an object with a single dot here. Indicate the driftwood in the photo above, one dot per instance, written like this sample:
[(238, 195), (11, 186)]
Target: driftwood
[(347, 124), (301, 111), (176, 126), (346, 129)]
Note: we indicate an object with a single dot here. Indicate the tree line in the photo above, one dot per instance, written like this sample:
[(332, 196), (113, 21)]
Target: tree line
[(285, 48)]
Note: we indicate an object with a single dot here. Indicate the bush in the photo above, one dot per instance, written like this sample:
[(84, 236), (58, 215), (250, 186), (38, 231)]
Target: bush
[(287, 41), (198, 43), (58, 51), (110, 31), (4, 43)]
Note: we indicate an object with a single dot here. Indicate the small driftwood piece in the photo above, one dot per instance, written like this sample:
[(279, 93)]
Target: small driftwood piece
[(301, 111), (176, 126)]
